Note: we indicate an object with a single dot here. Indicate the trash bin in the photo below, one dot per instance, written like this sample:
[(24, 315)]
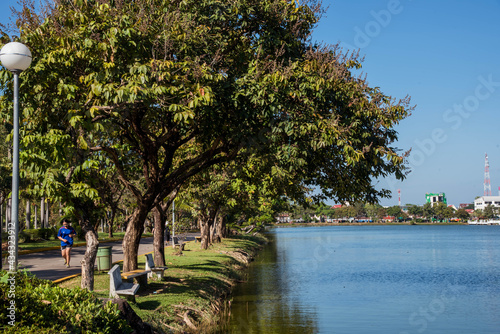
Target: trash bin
[(104, 258)]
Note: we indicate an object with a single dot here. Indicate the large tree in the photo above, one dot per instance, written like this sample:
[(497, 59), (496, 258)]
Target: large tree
[(170, 88)]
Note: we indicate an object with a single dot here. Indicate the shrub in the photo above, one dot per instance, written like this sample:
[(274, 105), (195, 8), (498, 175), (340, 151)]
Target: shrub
[(42, 307), (40, 233), (45, 233), (80, 235), (32, 234), (24, 237), (53, 232)]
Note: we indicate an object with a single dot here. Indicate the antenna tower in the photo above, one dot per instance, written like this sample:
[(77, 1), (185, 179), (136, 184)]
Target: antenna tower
[(487, 182), (399, 197)]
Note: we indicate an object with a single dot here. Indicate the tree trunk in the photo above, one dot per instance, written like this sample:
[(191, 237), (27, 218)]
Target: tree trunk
[(207, 227), (47, 214), (28, 214), (205, 233), (88, 260), (36, 217), (42, 212), (212, 231), (158, 236), (111, 223), (224, 227), (8, 212), (212, 214), (132, 238), (220, 227)]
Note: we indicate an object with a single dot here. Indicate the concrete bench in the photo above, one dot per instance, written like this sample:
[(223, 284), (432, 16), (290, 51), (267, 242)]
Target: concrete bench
[(140, 275), (150, 265), (117, 287), (178, 244)]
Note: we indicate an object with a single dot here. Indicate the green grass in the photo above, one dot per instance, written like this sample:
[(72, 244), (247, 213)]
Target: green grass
[(194, 286)]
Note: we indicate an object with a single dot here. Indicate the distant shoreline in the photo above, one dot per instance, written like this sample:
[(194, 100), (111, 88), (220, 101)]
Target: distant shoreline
[(359, 224)]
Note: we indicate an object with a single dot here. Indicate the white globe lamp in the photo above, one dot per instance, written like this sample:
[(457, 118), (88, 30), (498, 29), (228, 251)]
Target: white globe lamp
[(15, 56)]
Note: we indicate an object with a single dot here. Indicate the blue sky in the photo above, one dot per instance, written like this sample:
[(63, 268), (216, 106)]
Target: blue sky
[(444, 54)]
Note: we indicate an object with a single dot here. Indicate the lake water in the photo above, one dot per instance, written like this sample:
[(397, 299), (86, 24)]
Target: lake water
[(372, 279)]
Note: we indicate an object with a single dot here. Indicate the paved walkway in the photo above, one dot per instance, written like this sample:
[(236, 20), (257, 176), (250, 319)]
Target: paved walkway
[(50, 264)]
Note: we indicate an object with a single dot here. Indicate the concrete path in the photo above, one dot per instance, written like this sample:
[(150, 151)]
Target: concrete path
[(50, 264)]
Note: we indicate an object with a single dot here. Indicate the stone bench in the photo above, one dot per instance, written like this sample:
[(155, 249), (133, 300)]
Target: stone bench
[(140, 275), (178, 244), (150, 265), (117, 287)]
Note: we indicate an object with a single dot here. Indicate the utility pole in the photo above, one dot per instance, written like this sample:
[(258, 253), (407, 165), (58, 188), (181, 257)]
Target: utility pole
[(487, 182)]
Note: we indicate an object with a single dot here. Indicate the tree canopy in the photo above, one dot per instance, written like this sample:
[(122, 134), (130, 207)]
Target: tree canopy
[(161, 90)]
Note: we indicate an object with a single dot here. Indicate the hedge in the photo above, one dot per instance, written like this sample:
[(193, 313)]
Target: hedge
[(42, 307)]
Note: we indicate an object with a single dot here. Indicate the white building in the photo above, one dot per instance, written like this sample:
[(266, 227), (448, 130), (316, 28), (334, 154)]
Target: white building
[(284, 218), (484, 201)]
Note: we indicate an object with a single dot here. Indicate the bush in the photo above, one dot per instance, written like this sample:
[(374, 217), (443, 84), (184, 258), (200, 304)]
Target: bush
[(40, 233), (80, 235), (42, 307), (34, 233), (24, 237), (45, 233), (31, 234), (53, 232)]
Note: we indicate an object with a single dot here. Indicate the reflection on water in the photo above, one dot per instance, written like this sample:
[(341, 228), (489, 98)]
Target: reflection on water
[(372, 279)]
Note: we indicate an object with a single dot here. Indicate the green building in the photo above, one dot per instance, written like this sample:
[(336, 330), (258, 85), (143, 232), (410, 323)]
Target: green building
[(435, 198)]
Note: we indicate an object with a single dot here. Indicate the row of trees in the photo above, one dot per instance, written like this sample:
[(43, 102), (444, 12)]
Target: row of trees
[(227, 106), (375, 211)]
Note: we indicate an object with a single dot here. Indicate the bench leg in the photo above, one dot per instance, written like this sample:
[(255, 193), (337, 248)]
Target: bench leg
[(142, 280), (130, 298), (159, 275)]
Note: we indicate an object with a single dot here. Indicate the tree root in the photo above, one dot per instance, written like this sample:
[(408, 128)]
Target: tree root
[(187, 321), (170, 327), (190, 308)]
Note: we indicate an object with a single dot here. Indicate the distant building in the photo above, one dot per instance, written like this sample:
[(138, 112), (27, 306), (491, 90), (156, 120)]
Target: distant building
[(482, 202), (284, 218), (435, 198), (463, 205)]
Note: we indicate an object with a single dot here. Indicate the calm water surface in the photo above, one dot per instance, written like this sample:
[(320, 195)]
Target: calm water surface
[(372, 279)]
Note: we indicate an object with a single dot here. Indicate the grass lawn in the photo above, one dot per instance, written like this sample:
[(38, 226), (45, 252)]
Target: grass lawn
[(194, 288)]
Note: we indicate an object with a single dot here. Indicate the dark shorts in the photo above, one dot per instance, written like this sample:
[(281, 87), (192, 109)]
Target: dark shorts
[(64, 247)]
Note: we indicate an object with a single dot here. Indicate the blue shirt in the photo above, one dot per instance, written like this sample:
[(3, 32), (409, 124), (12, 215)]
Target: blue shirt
[(64, 233)]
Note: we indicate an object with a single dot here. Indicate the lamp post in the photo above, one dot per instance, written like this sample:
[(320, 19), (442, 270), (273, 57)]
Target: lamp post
[(15, 57)]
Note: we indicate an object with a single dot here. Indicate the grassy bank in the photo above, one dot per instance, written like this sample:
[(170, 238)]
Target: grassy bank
[(191, 295)]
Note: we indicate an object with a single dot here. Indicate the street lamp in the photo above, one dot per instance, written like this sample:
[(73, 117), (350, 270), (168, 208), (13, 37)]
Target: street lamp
[(15, 57)]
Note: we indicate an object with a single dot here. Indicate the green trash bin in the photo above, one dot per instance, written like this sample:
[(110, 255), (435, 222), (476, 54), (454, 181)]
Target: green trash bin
[(104, 258)]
